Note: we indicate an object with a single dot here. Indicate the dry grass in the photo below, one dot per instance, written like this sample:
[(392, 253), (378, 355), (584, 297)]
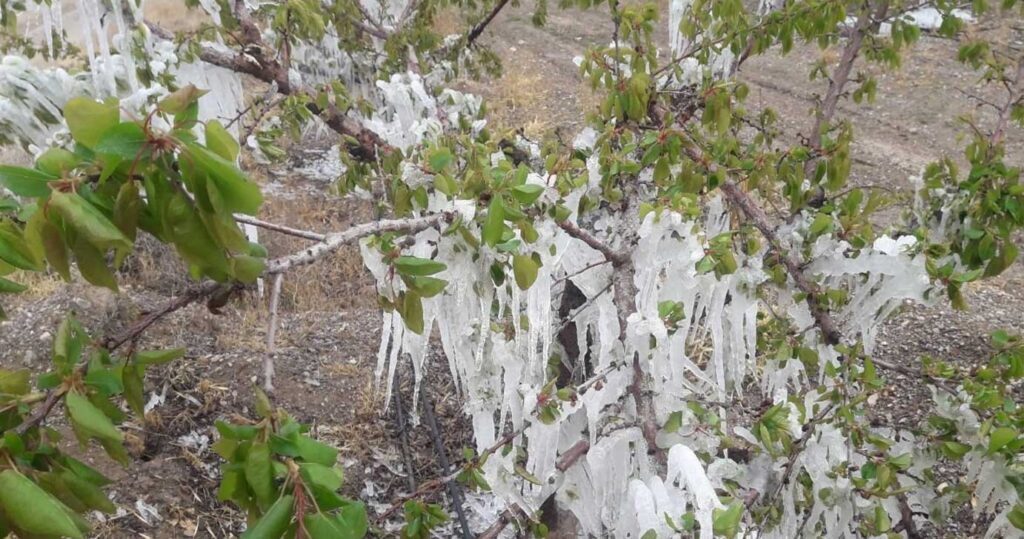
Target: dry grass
[(172, 15)]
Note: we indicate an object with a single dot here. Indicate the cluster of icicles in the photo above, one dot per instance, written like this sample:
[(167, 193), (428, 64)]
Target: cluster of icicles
[(615, 490)]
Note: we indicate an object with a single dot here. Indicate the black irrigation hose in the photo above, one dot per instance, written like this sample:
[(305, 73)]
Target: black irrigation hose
[(454, 488)]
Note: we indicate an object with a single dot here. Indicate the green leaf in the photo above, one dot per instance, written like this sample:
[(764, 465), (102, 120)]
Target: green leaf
[(127, 208), (274, 522), (181, 99), (32, 509), (318, 452), (88, 221), (88, 493), (495, 224), (88, 119), (426, 287), (1016, 516), (14, 248), (15, 382), (55, 250), (727, 521), (57, 161), (439, 159), (1000, 438), (955, 450), (90, 419), (11, 287), (529, 477), (674, 423), (132, 380), (259, 473), (412, 311), (93, 266), (239, 194), (220, 141), (527, 193), (158, 357), (411, 265), (525, 269), (25, 182), (126, 141), (326, 476), (103, 379)]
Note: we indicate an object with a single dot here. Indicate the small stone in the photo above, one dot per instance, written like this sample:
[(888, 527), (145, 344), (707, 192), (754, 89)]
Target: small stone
[(45, 336)]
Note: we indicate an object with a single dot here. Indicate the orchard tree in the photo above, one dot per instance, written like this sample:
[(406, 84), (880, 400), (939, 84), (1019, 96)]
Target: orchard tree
[(717, 261)]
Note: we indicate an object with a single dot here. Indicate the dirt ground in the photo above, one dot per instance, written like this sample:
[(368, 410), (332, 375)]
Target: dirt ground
[(329, 330)]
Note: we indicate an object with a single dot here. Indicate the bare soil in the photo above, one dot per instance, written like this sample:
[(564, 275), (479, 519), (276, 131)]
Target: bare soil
[(329, 330)]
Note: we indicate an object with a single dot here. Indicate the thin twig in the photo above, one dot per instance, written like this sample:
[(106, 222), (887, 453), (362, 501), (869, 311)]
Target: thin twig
[(115, 341), (309, 235)]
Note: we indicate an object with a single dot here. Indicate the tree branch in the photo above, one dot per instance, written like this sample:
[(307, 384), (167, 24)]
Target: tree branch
[(115, 341), (287, 230), (482, 25), (258, 61), (333, 242), (793, 265), (841, 75), (1016, 87)]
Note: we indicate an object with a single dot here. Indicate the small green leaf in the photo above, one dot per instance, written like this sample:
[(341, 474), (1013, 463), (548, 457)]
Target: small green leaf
[(88, 221), (525, 269), (88, 119), (158, 357), (220, 141), (25, 182), (274, 523), (32, 509), (93, 266), (412, 311), (259, 473), (426, 287), (411, 265), (1000, 437), (495, 224), (90, 419), (11, 287), (317, 452), (125, 141), (727, 521), (527, 193), (674, 423), (181, 99), (239, 194), (439, 159)]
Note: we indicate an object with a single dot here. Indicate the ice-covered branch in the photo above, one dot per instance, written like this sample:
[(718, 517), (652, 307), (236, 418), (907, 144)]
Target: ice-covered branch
[(793, 265), (333, 242), (259, 61)]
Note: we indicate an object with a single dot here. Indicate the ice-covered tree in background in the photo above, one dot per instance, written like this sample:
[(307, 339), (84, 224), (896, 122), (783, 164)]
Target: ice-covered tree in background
[(719, 265)]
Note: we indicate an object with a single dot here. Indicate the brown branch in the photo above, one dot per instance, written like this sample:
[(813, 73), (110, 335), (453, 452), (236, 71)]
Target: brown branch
[(793, 265), (1016, 88), (259, 61), (564, 462), (841, 75), (613, 256), (113, 342), (132, 332), (482, 25)]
